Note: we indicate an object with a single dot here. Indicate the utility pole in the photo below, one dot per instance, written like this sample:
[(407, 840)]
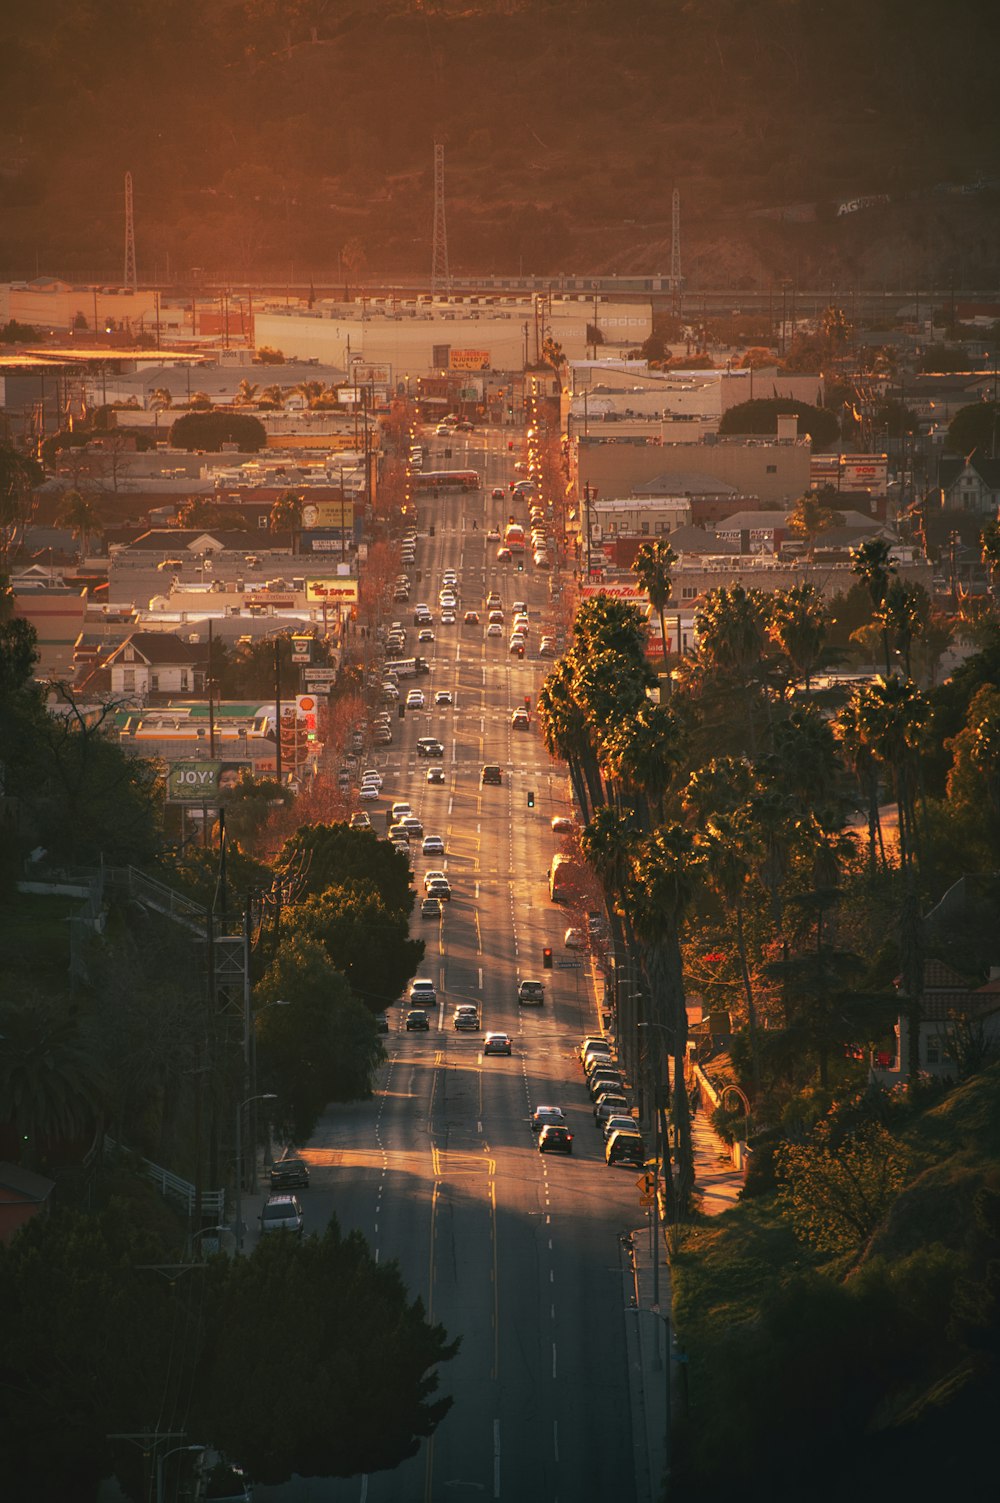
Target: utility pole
[(277, 711), (130, 277)]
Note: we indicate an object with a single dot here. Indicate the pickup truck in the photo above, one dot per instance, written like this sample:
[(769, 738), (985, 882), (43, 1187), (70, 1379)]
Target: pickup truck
[(531, 994)]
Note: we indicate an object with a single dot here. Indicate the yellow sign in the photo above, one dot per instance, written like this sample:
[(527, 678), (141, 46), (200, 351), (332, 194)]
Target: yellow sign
[(327, 513), (469, 360), (334, 591), (326, 441)]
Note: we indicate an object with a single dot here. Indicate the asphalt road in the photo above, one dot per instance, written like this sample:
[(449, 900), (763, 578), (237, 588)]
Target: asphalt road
[(513, 1251)]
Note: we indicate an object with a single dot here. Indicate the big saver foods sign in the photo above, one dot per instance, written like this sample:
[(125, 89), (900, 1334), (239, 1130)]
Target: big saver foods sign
[(338, 590)]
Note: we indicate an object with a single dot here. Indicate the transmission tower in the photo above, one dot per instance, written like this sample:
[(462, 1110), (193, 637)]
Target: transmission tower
[(675, 243), (130, 280), (440, 280)]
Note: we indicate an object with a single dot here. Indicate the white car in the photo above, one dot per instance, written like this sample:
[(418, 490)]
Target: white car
[(433, 845), (415, 699), (423, 993), (449, 577), (495, 629), (447, 600), (575, 939), (368, 791), (433, 876), (447, 618), (372, 775), (443, 697)]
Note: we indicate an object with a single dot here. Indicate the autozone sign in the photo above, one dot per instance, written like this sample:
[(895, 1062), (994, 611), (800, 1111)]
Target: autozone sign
[(619, 591)]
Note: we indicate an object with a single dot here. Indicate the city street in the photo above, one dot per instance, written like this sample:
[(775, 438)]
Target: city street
[(514, 1252)]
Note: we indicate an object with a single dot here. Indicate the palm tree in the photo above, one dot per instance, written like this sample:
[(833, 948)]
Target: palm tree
[(872, 563), (863, 764), (663, 876), (730, 848), (652, 568), (246, 393), (162, 397), (891, 715), (274, 396), (286, 516), (644, 754), (904, 615), (798, 626), (732, 628), (81, 516), (720, 787), (19, 475), (608, 843), (50, 1080), (564, 729)]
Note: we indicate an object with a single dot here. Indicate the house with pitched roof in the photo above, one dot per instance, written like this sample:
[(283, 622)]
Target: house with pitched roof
[(150, 666), (959, 1024), (970, 483)]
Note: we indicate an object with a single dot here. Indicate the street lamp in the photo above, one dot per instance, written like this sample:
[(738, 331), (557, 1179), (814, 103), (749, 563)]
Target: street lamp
[(252, 1063), (161, 1459), (267, 1096)]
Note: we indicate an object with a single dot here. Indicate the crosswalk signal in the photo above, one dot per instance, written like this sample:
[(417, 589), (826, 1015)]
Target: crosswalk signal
[(546, 959), (531, 798)]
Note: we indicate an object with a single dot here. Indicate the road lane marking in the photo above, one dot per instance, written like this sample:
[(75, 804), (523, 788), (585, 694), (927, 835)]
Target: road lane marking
[(480, 978), (496, 1458)]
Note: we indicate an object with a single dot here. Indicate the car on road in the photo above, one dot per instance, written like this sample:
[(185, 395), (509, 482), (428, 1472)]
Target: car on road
[(547, 1116), (368, 791), (625, 1147), (399, 832), (381, 1022), (444, 697), (562, 824), (289, 1174), (531, 993), (504, 555), (447, 599), (413, 826), (361, 820), (415, 699), (400, 808), (490, 775), (422, 993), (429, 746), (448, 618), (606, 1078), (497, 493), (383, 736), (519, 721), (517, 643), (416, 1021), (619, 1123), (435, 774), (555, 1139), (495, 629), (471, 618), (594, 1041), (402, 846), (433, 845), (547, 647), (282, 1213), (433, 876), (575, 939), (466, 1018), (520, 608), (496, 615), (440, 888), (497, 1043), (425, 634), (430, 908)]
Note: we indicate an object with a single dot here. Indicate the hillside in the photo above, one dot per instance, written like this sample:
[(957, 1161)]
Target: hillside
[(267, 138)]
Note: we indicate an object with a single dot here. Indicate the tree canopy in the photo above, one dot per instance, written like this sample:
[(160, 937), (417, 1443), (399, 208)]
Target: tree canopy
[(210, 430), (761, 416)]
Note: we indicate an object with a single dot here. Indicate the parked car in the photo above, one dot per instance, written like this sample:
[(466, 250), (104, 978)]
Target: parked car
[(625, 1147)]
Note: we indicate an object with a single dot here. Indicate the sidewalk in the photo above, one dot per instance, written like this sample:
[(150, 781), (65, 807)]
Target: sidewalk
[(648, 1328)]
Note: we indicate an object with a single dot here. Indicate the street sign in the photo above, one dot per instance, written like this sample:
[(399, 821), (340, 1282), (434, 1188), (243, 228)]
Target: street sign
[(567, 965), (321, 675), (647, 1200)]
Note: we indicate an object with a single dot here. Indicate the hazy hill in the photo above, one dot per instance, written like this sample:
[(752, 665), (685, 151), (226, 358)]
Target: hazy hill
[(265, 136)]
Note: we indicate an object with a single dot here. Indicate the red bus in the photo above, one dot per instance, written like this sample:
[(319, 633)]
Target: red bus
[(446, 480)]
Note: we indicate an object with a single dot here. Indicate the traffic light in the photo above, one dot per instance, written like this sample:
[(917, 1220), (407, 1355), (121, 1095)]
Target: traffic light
[(527, 701), (546, 959), (531, 798), (520, 570)]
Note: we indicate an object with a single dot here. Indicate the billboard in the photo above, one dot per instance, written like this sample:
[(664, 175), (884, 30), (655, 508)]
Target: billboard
[(365, 375), (469, 360), (854, 474), (339, 513), (202, 782), (337, 591)]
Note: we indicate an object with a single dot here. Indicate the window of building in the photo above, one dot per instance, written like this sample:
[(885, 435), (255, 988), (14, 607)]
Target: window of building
[(128, 680), (688, 592), (772, 469), (933, 1050)]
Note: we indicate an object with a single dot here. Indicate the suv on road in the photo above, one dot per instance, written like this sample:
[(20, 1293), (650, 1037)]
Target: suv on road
[(531, 994), (289, 1174), (490, 774), (282, 1213)]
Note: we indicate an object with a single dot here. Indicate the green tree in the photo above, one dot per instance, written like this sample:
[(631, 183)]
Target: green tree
[(19, 475), (366, 940), (729, 850), (989, 548), (872, 563), (81, 515), (18, 656), (814, 514), (322, 1047), (319, 856), (246, 393), (904, 617), (286, 516), (761, 416), (837, 1193), (975, 429), (644, 754), (210, 430)]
